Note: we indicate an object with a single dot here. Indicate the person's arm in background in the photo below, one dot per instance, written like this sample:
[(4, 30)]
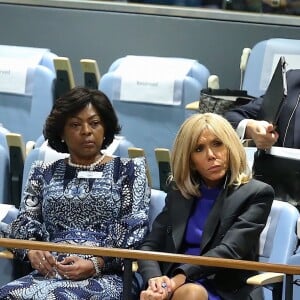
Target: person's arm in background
[(245, 119)]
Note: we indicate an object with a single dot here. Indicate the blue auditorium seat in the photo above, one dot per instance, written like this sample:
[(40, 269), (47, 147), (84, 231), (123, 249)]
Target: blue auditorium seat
[(157, 202), (7, 212), (278, 240), (295, 260), (27, 94), (152, 107), (262, 62), (3, 132)]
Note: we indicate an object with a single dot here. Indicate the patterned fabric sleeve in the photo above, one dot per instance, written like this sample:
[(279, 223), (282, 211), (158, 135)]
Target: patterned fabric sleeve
[(29, 224), (132, 225)]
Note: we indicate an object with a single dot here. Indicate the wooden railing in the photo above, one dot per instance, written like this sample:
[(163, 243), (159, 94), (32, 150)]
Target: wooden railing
[(131, 255)]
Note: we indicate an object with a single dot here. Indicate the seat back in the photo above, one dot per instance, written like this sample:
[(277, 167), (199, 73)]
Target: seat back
[(3, 132), (157, 203), (27, 91), (278, 241), (263, 59), (7, 213), (149, 95)]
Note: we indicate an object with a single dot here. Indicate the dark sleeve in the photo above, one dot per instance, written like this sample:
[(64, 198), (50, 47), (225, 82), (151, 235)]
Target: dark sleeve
[(154, 241), (248, 111), (243, 234)]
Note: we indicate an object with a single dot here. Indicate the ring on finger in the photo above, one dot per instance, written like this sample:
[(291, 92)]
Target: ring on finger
[(44, 258), (163, 285), (40, 264)]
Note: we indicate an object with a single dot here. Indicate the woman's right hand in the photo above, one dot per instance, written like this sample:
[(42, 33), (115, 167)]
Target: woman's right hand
[(159, 288), (263, 134), (43, 261)]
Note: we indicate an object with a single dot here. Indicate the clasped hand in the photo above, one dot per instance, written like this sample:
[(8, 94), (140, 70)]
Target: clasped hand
[(71, 267), (159, 288)]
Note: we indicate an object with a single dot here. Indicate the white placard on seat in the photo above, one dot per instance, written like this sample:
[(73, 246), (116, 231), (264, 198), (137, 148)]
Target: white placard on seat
[(152, 79), (14, 64), (12, 76)]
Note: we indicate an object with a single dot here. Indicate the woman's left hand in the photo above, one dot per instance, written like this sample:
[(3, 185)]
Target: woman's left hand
[(75, 268)]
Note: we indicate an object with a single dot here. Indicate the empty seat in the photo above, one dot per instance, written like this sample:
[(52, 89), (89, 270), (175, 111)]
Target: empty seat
[(278, 240), (262, 62), (149, 95), (27, 89)]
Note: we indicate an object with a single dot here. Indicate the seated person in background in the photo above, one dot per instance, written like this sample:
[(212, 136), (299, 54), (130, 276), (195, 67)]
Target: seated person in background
[(282, 173), (213, 208), (281, 6), (249, 123), (86, 199)]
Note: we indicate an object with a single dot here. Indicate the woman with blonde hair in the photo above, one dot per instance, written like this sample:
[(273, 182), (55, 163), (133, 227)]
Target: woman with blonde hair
[(213, 208)]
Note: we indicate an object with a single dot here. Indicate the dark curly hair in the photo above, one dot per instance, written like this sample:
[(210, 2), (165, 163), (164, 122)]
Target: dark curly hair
[(73, 102)]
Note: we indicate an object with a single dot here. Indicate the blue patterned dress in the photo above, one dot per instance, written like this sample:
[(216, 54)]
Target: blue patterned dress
[(110, 211)]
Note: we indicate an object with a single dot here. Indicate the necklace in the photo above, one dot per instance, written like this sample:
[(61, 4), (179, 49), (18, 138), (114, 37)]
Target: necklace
[(86, 167)]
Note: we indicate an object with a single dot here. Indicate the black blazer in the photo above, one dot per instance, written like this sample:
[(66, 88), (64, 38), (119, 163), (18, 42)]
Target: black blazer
[(292, 128), (232, 231)]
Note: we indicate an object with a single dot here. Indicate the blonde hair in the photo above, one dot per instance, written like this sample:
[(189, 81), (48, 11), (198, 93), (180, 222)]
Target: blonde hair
[(187, 180)]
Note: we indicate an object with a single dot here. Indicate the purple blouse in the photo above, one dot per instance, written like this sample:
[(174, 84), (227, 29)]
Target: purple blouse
[(195, 228)]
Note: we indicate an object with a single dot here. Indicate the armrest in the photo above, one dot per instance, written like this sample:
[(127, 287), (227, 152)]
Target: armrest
[(6, 254), (29, 146), (193, 106), (265, 278)]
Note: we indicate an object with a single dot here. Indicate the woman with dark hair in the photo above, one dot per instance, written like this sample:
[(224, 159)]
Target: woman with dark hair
[(86, 199), (78, 99), (213, 208)]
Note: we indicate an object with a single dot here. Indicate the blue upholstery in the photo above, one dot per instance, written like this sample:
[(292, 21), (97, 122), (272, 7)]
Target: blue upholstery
[(263, 59), (5, 276), (250, 151), (295, 260), (25, 112), (152, 125), (157, 203), (3, 132), (278, 241)]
